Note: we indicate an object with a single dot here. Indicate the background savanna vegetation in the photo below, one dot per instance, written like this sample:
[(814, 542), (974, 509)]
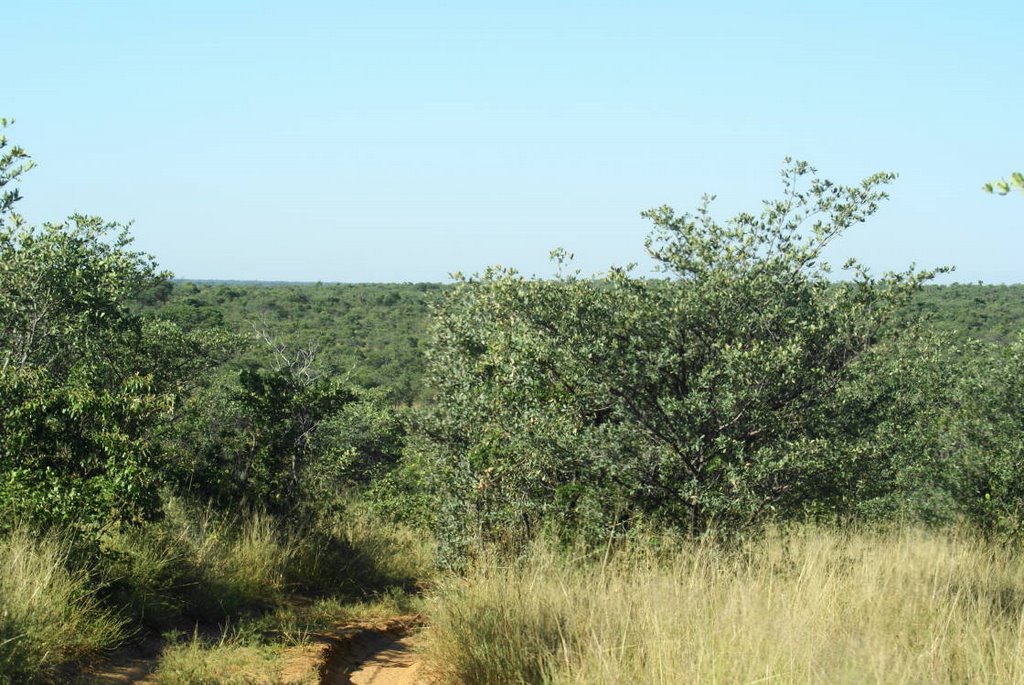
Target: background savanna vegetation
[(746, 466)]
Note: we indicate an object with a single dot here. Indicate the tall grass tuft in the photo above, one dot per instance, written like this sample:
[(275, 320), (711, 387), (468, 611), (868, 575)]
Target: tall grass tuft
[(385, 555), (198, 563), (811, 605), (48, 614)]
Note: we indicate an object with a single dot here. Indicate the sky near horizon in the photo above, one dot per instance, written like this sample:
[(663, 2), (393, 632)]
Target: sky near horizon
[(401, 141)]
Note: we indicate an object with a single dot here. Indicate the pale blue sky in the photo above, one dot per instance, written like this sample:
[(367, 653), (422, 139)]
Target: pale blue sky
[(400, 141)]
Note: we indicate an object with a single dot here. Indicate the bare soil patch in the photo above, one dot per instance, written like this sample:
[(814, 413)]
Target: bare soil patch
[(375, 652)]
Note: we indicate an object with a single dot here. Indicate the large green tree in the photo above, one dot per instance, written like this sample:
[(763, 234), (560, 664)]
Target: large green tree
[(85, 382), (706, 398)]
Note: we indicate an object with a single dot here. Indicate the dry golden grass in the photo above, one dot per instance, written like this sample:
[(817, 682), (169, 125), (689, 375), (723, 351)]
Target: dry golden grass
[(48, 614), (808, 606)]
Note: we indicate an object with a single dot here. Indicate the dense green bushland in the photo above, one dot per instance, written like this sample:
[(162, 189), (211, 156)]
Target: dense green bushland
[(369, 334), (745, 386), (993, 313), (174, 453), (190, 473), (375, 334)]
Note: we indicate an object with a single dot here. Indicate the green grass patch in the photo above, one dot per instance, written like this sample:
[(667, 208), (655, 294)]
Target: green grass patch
[(235, 659)]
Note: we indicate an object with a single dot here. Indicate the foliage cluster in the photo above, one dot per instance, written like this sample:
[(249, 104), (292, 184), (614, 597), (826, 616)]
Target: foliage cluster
[(103, 402), (746, 385), (1003, 186)]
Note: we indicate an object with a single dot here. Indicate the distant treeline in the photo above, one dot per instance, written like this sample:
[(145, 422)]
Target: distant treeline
[(371, 334), (994, 313), (374, 333)]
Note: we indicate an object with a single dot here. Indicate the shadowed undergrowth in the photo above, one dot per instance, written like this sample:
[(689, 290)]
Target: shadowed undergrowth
[(246, 585)]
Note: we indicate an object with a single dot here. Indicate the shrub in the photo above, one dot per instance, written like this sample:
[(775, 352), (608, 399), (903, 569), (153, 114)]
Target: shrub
[(85, 382), (705, 400)]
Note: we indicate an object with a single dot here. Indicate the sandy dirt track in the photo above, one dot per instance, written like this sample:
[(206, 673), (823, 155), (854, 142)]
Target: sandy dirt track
[(389, 661), (370, 652), (367, 653)]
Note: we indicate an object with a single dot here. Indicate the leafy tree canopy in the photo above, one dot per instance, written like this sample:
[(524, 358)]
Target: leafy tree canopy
[(1003, 186), (704, 399), (84, 380)]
